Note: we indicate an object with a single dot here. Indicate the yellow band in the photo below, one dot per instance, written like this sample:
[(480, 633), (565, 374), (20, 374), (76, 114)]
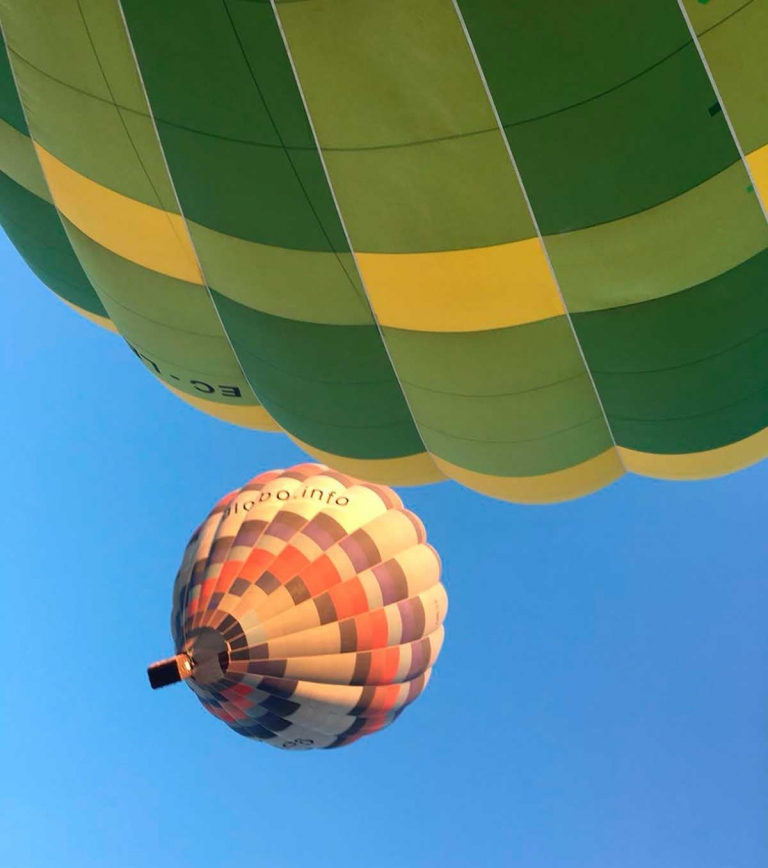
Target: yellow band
[(145, 235), (462, 290)]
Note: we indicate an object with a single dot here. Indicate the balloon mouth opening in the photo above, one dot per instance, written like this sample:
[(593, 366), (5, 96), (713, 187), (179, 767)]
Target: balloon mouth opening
[(206, 660)]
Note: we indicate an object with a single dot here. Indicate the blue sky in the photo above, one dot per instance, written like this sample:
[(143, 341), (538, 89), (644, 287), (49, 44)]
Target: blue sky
[(601, 699)]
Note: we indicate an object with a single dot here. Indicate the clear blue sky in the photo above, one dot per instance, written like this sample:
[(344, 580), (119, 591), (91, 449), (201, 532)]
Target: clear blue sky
[(601, 700)]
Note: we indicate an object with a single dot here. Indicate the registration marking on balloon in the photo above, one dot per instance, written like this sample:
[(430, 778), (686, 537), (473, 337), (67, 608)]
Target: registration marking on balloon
[(224, 390)]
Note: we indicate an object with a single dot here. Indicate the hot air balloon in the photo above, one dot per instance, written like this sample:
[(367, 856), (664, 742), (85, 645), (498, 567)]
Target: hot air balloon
[(308, 609), (519, 245)]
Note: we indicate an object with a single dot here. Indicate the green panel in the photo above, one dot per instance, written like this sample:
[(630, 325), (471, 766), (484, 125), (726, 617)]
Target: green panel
[(706, 15), (647, 139), (10, 107), (685, 373), (36, 231), (309, 285), (82, 94), (446, 195), (171, 323), (681, 243), (408, 134), (232, 123), (17, 154), (729, 423), (250, 191), (733, 38), (552, 56), (511, 402), (331, 386), (19, 161), (404, 71)]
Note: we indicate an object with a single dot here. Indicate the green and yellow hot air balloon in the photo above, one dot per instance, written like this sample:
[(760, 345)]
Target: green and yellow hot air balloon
[(521, 244)]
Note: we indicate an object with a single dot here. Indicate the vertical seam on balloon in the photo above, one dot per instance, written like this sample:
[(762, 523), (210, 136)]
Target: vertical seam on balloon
[(343, 223), (721, 103), (286, 151), (39, 161), (156, 130), (119, 111), (535, 222)]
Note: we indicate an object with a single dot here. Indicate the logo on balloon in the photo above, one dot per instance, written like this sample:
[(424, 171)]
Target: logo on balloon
[(329, 498)]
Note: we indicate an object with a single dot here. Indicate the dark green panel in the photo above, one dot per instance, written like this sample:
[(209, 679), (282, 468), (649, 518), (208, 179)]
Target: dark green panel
[(10, 106), (643, 141), (687, 372), (249, 191), (721, 427), (228, 109), (35, 229), (331, 386), (543, 56)]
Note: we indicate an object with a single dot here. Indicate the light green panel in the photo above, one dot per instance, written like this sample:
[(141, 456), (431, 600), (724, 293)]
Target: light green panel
[(487, 363), (681, 243), (511, 402), (19, 161), (707, 15), (404, 69), (59, 36), (408, 135), (733, 37), (449, 195), (173, 324), (535, 457), (76, 73), (292, 284)]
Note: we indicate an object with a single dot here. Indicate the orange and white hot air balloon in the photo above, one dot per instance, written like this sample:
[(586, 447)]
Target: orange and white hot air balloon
[(308, 610)]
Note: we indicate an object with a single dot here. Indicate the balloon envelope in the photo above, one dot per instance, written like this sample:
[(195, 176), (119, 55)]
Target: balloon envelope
[(308, 609), (521, 245)]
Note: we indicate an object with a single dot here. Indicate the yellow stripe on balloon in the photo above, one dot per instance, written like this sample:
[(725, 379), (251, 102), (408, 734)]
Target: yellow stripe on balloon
[(462, 290), (416, 469), (138, 232), (568, 484), (758, 167), (248, 416), (699, 465), (102, 321)]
